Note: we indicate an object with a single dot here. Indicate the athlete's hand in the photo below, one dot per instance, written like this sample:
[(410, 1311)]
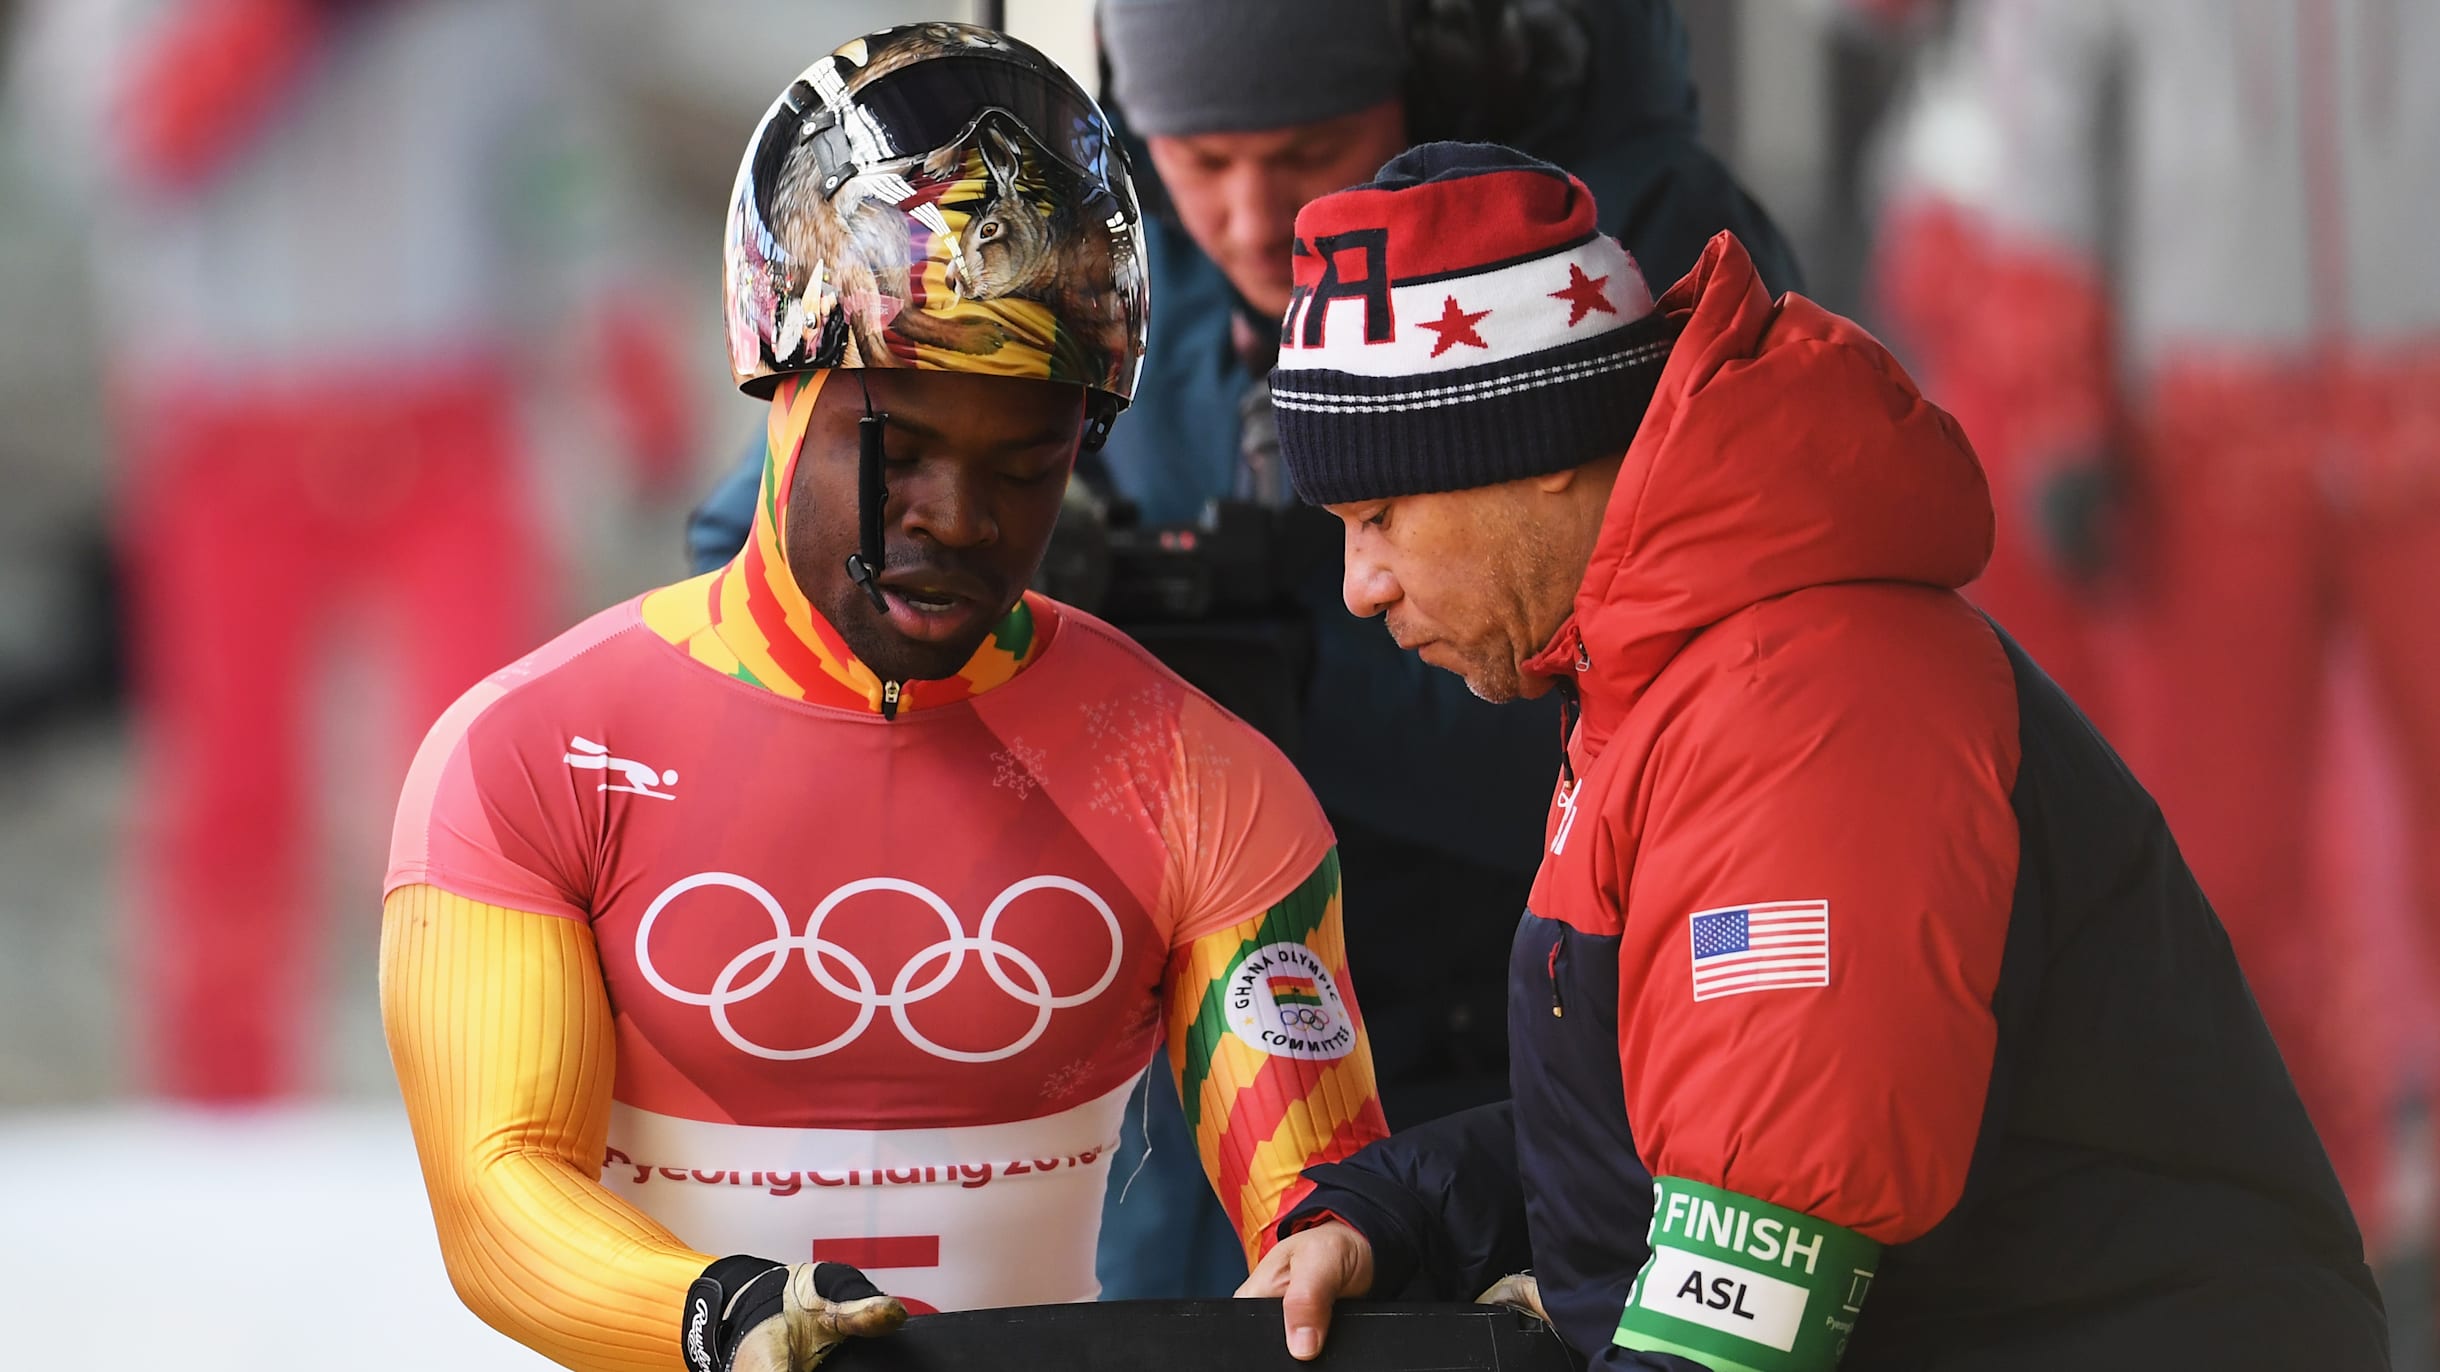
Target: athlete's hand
[(1310, 1271), (745, 1316), (1518, 1291)]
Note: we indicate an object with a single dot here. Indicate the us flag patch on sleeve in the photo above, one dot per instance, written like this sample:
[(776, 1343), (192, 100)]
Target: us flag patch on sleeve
[(1775, 946)]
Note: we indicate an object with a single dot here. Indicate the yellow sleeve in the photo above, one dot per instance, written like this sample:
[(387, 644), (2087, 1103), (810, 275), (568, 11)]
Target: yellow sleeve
[(1273, 1065), (500, 1030)]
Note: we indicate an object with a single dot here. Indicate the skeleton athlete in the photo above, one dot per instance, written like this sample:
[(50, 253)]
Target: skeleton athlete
[(824, 909)]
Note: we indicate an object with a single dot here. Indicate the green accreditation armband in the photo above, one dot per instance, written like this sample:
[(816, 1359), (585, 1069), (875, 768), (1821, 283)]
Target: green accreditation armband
[(1740, 1285)]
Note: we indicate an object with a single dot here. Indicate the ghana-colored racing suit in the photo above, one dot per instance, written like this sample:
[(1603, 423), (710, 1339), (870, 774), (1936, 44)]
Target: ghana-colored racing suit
[(1864, 1014), (702, 940)]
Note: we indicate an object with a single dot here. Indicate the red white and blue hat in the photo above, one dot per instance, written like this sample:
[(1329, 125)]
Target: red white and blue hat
[(1459, 322)]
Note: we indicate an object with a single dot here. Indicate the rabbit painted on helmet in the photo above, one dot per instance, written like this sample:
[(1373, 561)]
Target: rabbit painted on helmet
[(1014, 248)]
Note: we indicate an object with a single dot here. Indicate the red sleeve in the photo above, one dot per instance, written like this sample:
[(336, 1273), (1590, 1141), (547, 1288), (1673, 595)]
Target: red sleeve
[(208, 79), (1242, 829), (1818, 908), (647, 388), (473, 821), (2043, 324)]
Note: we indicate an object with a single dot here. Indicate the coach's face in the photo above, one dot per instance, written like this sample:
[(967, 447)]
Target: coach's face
[(1477, 581)]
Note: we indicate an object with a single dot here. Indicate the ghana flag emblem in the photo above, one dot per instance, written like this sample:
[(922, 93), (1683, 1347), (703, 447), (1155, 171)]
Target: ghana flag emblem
[(1287, 990)]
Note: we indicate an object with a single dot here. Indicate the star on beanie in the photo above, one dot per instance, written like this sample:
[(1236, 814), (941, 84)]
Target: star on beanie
[(1459, 322)]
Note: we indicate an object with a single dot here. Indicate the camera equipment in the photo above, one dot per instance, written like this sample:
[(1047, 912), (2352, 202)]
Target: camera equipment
[(1239, 560), (1221, 601)]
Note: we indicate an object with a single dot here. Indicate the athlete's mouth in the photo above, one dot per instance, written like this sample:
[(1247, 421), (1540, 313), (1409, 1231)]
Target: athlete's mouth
[(934, 587), (934, 608)]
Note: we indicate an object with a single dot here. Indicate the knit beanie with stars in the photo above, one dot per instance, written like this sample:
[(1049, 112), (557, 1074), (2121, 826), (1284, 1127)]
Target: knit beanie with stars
[(1459, 322)]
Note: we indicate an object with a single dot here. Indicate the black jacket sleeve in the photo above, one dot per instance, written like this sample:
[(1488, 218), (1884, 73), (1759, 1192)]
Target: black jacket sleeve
[(719, 526), (1441, 1204)]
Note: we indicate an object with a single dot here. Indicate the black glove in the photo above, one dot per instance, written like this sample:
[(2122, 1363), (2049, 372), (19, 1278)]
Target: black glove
[(755, 1315), (2076, 509)]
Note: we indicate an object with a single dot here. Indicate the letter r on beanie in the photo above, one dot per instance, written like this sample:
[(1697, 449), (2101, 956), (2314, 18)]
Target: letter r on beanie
[(1457, 322)]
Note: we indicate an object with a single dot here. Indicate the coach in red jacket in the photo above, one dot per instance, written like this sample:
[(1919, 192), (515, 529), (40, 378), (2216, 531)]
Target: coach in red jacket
[(1864, 1015)]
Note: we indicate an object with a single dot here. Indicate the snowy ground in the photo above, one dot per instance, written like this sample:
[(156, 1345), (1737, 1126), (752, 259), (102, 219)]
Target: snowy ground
[(291, 1239)]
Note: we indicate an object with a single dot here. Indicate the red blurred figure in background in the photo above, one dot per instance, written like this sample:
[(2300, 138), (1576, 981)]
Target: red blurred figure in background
[(2192, 320), (1968, 315), (315, 246)]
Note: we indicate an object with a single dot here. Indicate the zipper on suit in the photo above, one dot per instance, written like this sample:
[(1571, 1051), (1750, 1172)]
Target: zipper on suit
[(1571, 708), (889, 699)]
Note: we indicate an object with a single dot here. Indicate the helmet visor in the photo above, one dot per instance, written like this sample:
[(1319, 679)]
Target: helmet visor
[(918, 110), (912, 203)]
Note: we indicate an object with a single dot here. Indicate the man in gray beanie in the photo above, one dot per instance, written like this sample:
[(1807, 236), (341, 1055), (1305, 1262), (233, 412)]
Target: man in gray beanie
[(1186, 67), (1246, 123)]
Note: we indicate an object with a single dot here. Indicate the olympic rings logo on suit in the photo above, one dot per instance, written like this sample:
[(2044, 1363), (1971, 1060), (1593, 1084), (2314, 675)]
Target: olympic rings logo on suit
[(865, 993), (1302, 1017)]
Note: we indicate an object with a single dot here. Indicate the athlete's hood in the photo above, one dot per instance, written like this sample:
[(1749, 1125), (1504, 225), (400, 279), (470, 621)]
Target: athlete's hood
[(1784, 448), (781, 642)]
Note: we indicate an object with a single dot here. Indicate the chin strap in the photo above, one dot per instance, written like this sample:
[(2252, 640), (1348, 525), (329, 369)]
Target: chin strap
[(1100, 412), (872, 497)]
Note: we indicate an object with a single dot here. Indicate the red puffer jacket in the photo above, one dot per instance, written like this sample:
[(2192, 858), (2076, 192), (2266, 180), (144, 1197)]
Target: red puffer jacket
[(1864, 1015)]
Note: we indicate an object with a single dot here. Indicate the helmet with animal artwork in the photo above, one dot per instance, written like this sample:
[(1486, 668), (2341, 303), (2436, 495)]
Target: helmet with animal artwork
[(937, 196)]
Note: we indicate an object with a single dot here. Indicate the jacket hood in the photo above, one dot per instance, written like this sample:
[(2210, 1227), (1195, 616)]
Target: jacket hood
[(1784, 448)]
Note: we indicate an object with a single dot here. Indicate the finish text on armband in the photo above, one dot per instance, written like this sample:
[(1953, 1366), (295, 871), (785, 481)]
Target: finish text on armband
[(1703, 1220)]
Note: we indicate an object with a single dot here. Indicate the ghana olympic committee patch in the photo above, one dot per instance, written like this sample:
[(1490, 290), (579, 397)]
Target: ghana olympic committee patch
[(1282, 1000)]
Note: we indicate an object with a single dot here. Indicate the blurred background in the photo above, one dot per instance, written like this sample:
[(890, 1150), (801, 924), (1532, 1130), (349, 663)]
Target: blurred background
[(380, 339)]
